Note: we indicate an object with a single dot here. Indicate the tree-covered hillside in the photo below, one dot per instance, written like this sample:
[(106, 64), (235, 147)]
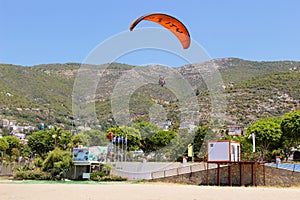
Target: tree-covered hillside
[(43, 93)]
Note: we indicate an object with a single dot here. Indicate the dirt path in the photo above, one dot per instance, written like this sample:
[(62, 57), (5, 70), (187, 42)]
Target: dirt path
[(140, 192)]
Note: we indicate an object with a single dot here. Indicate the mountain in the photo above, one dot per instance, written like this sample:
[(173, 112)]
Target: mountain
[(43, 93)]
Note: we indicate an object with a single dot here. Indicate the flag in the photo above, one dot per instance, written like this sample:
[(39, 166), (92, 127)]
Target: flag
[(190, 150), (110, 135), (253, 142), (252, 135), (119, 139)]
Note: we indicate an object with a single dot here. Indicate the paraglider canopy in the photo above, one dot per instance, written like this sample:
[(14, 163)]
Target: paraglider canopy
[(169, 22)]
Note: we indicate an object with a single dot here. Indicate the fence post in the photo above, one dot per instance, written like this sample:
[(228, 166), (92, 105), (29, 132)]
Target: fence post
[(294, 167)]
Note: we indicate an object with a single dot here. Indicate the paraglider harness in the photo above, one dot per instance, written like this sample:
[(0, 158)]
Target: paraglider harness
[(161, 81)]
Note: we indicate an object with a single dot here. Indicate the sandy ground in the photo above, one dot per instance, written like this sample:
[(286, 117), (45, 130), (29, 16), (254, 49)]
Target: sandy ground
[(141, 192)]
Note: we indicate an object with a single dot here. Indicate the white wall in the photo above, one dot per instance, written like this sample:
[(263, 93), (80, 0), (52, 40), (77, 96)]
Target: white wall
[(218, 151)]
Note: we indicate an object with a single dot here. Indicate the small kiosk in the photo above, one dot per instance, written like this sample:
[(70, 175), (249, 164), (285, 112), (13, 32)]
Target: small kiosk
[(223, 151), (227, 154)]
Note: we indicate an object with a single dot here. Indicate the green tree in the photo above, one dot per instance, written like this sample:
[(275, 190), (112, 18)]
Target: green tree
[(61, 138), (4, 145), (144, 135), (290, 127), (133, 137), (267, 134), (201, 135), (157, 141), (58, 162), (148, 140), (132, 134), (25, 150), (246, 147), (146, 129), (5, 132), (79, 139), (178, 146), (200, 139), (15, 153), (13, 143), (115, 130), (41, 143), (96, 138)]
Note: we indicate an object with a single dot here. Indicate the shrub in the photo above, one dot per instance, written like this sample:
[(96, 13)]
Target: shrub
[(96, 176), (24, 168), (38, 162), (32, 175), (113, 178), (58, 162)]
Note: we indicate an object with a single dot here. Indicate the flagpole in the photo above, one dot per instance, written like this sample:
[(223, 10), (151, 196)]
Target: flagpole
[(110, 150), (125, 148), (122, 148), (118, 150), (115, 148)]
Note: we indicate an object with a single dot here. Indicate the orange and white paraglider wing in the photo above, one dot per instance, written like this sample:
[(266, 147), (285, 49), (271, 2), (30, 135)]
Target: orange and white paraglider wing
[(169, 22)]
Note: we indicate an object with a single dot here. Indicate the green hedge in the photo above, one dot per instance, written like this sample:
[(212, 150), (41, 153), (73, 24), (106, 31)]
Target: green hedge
[(101, 176), (112, 178), (95, 176), (32, 175)]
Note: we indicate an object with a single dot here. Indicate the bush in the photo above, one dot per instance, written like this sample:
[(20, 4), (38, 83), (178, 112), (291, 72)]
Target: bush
[(113, 178), (58, 162), (96, 176), (38, 162), (32, 175), (102, 176)]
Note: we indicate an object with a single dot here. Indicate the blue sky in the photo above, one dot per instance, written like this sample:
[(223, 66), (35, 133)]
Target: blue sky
[(34, 32)]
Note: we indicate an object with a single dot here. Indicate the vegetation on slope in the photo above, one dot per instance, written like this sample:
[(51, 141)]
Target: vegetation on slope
[(43, 93)]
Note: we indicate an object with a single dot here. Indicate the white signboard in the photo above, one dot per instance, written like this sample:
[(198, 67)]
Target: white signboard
[(86, 175)]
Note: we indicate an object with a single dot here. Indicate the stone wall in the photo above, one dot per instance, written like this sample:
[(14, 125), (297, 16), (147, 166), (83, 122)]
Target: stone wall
[(281, 177), (241, 174), (6, 169)]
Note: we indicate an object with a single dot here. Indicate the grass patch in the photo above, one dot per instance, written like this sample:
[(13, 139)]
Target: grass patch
[(68, 182), (140, 181), (5, 177)]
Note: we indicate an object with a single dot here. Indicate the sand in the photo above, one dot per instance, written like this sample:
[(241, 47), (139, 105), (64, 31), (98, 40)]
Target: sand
[(153, 191)]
